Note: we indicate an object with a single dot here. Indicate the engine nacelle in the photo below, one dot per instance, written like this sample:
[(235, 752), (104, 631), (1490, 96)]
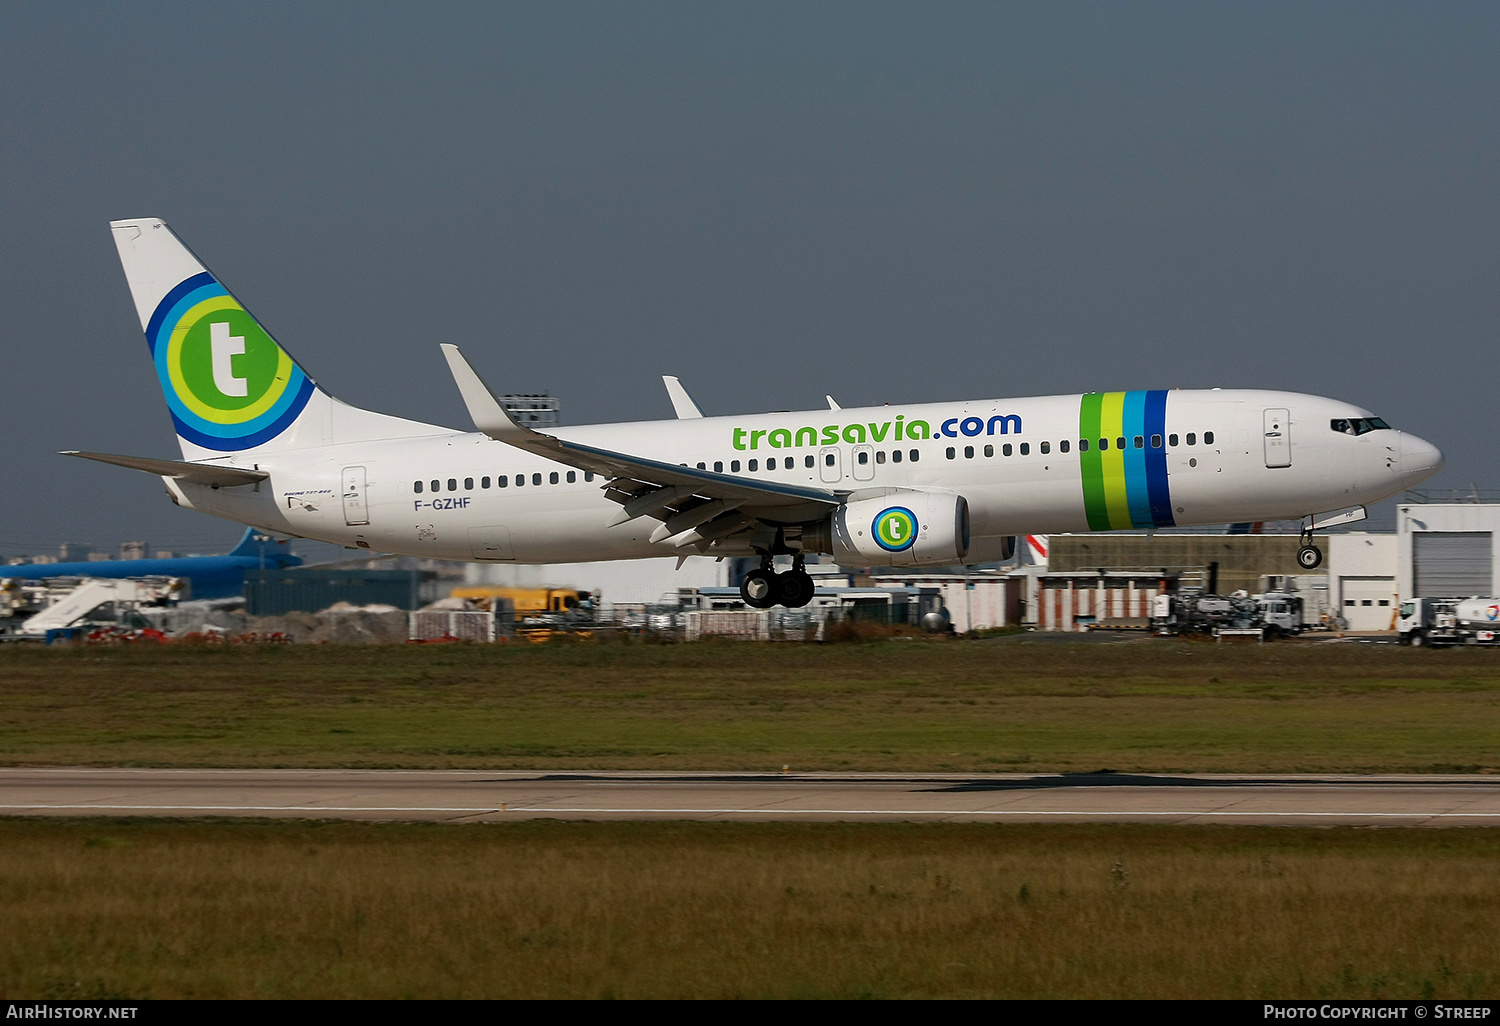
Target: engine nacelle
[(907, 527)]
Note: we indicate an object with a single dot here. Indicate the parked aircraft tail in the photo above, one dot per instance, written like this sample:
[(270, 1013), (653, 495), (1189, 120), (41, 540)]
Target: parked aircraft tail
[(230, 386)]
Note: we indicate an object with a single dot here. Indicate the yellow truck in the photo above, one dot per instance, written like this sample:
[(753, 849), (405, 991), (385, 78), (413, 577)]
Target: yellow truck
[(540, 612)]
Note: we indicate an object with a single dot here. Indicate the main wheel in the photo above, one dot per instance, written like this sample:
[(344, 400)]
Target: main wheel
[(1309, 557), (796, 587), (759, 589)]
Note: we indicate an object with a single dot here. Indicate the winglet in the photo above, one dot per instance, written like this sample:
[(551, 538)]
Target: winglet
[(681, 401), (831, 404), (485, 410)]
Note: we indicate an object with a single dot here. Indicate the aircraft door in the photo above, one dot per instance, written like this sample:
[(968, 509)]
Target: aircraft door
[(864, 462), (1278, 438), (355, 512), (830, 466)]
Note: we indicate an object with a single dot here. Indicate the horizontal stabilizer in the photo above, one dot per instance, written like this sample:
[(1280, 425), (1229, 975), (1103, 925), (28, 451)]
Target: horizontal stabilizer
[(197, 473)]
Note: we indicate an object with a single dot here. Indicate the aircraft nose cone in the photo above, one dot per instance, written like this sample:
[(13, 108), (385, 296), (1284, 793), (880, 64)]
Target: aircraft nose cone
[(1420, 459)]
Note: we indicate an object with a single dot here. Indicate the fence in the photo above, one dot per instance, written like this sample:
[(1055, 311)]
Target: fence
[(451, 624)]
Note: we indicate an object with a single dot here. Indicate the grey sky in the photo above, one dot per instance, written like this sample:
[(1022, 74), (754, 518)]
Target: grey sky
[(888, 202)]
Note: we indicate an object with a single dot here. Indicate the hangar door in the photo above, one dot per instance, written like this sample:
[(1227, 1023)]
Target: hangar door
[(1452, 564), (1369, 603)]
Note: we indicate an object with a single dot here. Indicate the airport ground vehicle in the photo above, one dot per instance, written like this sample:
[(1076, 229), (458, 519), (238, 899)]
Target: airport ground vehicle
[(1450, 621), (1276, 613)]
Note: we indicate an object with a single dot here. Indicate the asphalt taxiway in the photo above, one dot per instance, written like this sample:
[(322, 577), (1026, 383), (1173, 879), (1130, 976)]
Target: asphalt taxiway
[(476, 796)]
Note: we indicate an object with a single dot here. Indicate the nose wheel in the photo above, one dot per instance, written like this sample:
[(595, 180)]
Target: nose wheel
[(1309, 556)]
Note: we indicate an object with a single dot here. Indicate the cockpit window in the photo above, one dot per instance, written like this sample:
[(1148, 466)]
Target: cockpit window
[(1358, 425)]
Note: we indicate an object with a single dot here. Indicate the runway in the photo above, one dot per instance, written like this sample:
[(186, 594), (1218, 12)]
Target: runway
[(479, 796)]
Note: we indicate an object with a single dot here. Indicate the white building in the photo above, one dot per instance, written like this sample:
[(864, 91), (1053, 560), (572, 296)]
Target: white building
[(1362, 579), (1446, 550)]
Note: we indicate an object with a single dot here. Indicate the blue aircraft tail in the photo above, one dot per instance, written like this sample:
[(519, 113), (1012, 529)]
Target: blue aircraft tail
[(256, 544)]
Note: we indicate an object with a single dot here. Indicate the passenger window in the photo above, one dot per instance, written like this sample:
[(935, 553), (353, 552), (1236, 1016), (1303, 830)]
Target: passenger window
[(572, 476), (718, 466), (880, 456), (1119, 443), (952, 452), (1046, 448), (1172, 441), (914, 455), (417, 487), (588, 475), (453, 484), (896, 456), (827, 460), (552, 478), (1192, 438), (703, 466), (1208, 438), (989, 450), (754, 465), (1064, 445), (1156, 441), (734, 466), (1025, 448), (1083, 445), (1103, 444), (864, 457), (1140, 443), (808, 461), (468, 484), (536, 479), (520, 480), (501, 481), (1006, 450), (968, 452), (484, 482), (436, 486)]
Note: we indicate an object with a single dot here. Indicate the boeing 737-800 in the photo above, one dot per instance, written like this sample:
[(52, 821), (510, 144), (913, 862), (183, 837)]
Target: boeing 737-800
[(935, 484)]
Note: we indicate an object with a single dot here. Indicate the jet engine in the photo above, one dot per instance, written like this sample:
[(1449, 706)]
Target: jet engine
[(905, 527)]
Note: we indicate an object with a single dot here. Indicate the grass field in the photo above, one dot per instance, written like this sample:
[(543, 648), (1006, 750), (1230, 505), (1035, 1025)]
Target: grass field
[(1002, 705), (539, 909)]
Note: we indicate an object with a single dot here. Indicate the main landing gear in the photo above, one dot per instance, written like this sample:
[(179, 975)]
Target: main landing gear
[(1309, 556), (763, 587)]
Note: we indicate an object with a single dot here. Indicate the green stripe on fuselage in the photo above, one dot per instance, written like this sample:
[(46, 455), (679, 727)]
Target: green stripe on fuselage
[(1091, 462)]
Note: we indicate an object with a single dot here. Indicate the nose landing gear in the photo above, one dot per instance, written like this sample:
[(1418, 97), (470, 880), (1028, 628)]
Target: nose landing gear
[(763, 587), (1309, 556)]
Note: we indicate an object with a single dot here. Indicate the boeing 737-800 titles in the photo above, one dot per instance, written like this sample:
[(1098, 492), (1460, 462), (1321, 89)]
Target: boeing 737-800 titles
[(929, 485)]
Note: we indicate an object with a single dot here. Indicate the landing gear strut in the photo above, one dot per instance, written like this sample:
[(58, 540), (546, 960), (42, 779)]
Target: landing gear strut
[(1309, 556), (763, 587)]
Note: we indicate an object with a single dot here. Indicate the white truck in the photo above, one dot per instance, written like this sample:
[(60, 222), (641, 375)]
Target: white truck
[(1275, 613), (1450, 621)]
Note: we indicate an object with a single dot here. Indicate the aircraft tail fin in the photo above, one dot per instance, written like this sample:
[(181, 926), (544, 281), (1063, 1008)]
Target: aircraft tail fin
[(258, 544), (230, 386)]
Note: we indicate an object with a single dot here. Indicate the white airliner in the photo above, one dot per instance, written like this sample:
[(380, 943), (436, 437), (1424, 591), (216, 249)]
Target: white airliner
[(929, 485)]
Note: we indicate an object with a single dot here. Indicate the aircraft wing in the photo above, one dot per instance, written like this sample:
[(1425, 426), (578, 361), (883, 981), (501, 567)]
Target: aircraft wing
[(198, 473), (695, 506)]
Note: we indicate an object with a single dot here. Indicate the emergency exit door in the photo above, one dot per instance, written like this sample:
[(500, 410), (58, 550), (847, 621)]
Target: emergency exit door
[(1278, 438), (354, 497)]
